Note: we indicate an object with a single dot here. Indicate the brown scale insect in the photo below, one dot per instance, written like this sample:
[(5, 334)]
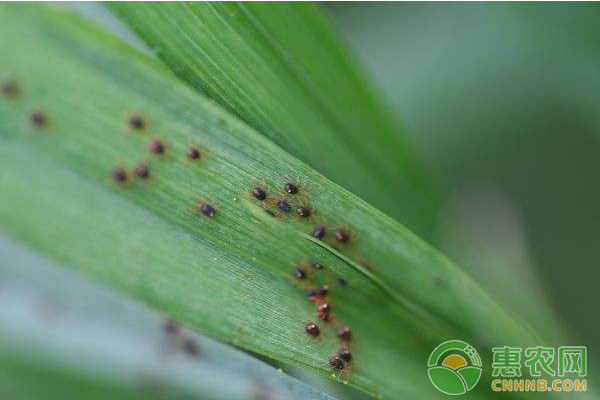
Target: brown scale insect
[(141, 171), (156, 147), (323, 311), (10, 89), (136, 122), (119, 175), (344, 333), (319, 232), (341, 235), (38, 119), (312, 329), (207, 210)]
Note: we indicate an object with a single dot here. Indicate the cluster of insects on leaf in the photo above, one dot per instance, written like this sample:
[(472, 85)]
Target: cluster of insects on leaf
[(289, 200), (319, 295)]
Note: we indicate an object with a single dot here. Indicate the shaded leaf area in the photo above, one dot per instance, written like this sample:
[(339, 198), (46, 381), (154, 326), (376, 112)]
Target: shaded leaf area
[(282, 69), (228, 274), (74, 339)]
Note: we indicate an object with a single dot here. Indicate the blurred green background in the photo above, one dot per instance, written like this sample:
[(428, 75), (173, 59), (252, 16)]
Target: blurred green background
[(504, 101)]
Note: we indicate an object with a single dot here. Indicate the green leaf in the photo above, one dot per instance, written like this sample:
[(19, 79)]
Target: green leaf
[(281, 68), (73, 339), (228, 275)]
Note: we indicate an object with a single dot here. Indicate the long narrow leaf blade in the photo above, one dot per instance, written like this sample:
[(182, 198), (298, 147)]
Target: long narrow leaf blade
[(73, 339), (280, 67)]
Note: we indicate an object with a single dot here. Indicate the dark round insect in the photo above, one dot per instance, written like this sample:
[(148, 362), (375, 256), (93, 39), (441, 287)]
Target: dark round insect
[(323, 290), (191, 347), (259, 193), (315, 264), (119, 175), (193, 153), (136, 122), (303, 212), (342, 282), (341, 235), (38, 119), (284, 206), (312, 329), (336, 362), (141, 171), (318, 232), (171, 327), (157, 147), (344, 333), (10, 89), (323, 308), (299, 273), (290, 188), (345, 355), (207, 210), (319, 292)]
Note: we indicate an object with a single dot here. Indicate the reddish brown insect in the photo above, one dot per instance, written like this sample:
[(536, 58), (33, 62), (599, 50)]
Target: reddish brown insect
[(323, 310), (341, 235), (119, 175), (171, 327), (193, 153), (38, 119), (344, 333), (312, 329), (141, 171), (156, 147), (136, 122), (10, 89)]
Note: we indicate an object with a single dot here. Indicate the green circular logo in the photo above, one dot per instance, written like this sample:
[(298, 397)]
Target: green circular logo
[(454, 367)]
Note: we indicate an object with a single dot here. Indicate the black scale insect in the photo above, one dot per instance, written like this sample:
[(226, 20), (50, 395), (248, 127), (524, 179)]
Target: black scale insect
[(312, 329), (259, 193)]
